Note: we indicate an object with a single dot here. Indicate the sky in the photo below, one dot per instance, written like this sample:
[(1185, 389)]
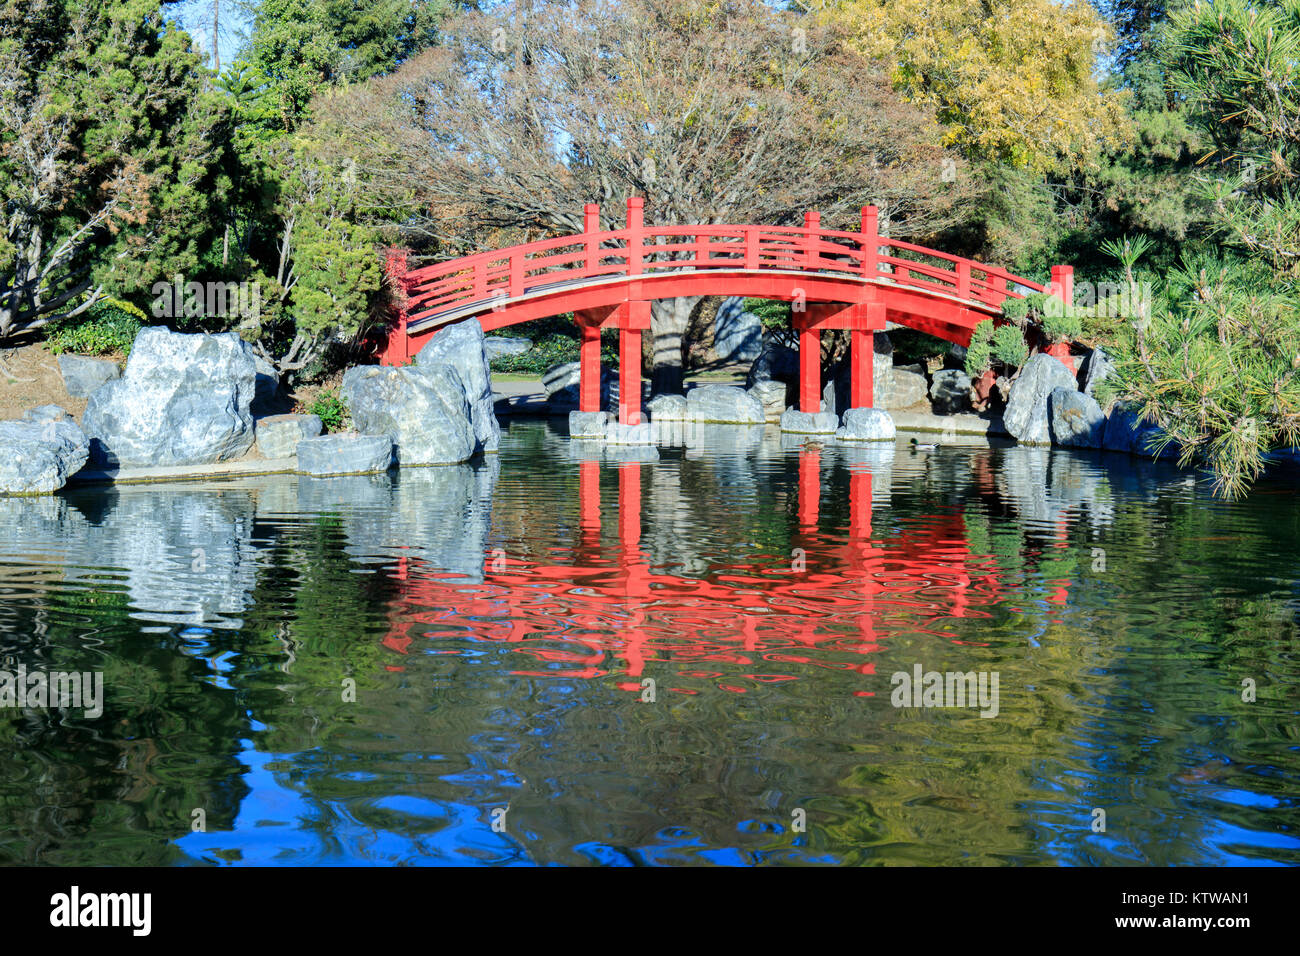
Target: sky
[(196, 18)]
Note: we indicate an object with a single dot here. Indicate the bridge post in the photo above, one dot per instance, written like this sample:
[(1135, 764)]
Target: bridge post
[(812, 223), (635, 225), (870, 241), (591, 225), (589, 369), (397, 347), (810, 370), (868, 319), (634, 317), (1062, 287)]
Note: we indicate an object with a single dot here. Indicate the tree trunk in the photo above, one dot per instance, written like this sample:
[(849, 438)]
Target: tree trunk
[(669, 319)]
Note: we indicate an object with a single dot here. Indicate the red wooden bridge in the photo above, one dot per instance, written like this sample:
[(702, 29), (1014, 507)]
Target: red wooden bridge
[(608, 278)]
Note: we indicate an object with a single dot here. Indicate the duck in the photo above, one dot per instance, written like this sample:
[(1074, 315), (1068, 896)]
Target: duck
[(918, 446)]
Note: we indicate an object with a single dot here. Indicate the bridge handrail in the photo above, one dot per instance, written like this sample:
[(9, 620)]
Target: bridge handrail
[(515, 270)]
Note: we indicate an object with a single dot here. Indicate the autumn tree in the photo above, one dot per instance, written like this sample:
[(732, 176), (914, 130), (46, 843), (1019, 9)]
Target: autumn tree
[(1009, 80), (713, 112)]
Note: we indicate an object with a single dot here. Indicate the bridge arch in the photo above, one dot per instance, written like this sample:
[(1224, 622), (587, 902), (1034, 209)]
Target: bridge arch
[(607, 278)]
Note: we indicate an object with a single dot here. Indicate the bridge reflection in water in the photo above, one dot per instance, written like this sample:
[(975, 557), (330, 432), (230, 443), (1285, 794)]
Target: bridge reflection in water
[(609, 610)]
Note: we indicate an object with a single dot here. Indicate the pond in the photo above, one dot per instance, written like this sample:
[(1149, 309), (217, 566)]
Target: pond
[(559, 656)]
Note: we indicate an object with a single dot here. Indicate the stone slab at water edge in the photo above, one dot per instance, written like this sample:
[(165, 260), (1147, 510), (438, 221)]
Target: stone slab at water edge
[(421, 408), (725, 404), (462, 346), (82, 374), (867, 424), (38, 457), (588, 424), (183, 400), (345, 454), (278, 435), (806, 423)]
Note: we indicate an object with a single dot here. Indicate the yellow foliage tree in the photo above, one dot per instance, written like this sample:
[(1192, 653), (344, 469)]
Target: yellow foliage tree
[(1010, 80)]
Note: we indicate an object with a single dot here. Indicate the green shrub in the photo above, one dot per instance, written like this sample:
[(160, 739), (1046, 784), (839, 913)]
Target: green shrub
[(1009, 346), (107, 327), (773, 313), (1016, 311), (556, 341), (333, 412), (979, 354), (1064, 325)]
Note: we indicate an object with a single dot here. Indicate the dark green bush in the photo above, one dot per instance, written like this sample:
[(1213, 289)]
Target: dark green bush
[(556, 341), (1009, 346), (107, 327), (979, 354), (1016, 311)]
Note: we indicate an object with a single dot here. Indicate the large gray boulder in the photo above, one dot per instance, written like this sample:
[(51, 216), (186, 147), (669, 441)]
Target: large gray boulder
[(561, 384), (422, 409), (462, 347), (1126, 431), (805, 423), (344, 454), (775, 362), (771, 395), (278, 435), (906, 386), (38, 457), (82, 374), (666, 408), (737, 334), (867, 424), (1026, 415), (588, 424), (183, 400), (1098, 368), (495, 346), (723, 403), (1075, 419), (950, 392)]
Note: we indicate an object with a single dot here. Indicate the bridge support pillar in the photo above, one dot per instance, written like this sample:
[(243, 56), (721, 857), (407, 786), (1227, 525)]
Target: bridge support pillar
[(634, 317), (810, 370), (862, 358), (589, 369)]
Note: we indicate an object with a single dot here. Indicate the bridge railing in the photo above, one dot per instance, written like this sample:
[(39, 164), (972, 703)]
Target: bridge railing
[(479, 281)]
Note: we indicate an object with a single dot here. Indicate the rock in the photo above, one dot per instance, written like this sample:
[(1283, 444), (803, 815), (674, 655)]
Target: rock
[(867, 424), (616, 434), (737, 334), (906, 387), (950, 392), (422, 409), (668, 408), (723, 403), (803, 423), (496, 346), (588, 424), (278, 435), (1026, 415), (1096, 370), (771, 395), (775, 363), (561, 383), (266, 388), (1075, 419), (82, 374), (345, 454), (461, 346), (38, 457), (47, 413), (1125, 431), (183, 400)]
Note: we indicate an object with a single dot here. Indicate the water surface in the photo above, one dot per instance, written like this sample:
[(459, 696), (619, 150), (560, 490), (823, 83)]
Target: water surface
[(556, 656)]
